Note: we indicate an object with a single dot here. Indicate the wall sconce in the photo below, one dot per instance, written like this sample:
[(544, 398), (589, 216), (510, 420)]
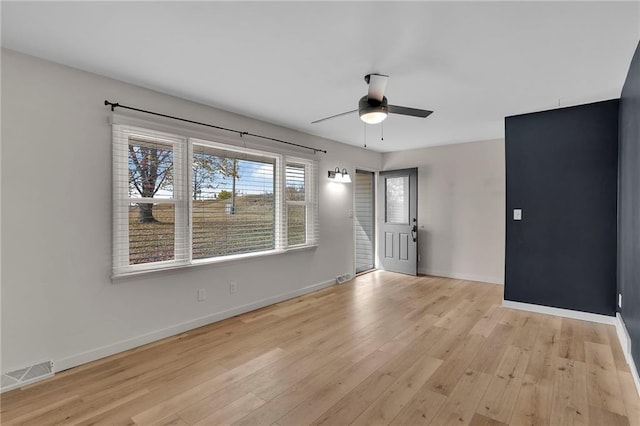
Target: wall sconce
[(339, 176)]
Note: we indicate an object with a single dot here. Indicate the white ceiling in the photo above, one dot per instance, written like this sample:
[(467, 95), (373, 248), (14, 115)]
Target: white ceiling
[(290, 63)]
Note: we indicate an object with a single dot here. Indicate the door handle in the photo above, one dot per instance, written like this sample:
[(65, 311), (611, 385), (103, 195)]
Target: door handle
[(414, 230)]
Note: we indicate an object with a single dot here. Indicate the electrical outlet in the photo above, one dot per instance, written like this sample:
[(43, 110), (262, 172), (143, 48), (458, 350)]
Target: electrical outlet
[(619, 300), (202, 294), (233, 287)]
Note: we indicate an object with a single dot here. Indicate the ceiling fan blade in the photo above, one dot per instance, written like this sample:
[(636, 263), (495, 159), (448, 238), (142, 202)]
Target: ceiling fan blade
[(333, 116), (377, 84), (414, 112)]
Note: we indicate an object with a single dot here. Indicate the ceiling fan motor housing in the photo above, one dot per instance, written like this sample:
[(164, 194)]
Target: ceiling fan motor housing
[(373, 108)]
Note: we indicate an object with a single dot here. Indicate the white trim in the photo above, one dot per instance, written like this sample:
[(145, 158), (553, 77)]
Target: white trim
[(625, 343), (462, 276), (623, 336), (104, 351), (209, 261), (559, 312)]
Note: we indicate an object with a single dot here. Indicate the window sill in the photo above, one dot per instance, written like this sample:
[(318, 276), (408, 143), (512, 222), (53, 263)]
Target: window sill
[(212, 261)]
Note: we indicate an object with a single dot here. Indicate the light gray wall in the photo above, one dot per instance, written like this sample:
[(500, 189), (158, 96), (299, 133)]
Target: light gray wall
[(461, 202), (58, 301)]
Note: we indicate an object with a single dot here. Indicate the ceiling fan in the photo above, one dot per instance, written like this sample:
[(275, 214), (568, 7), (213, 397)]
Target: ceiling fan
[(374, 108)]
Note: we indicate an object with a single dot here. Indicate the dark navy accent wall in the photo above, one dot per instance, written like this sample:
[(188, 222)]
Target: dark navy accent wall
[(629, 205), (562, 171)]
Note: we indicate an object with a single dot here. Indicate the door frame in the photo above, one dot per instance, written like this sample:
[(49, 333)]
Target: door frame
[(381, 211)]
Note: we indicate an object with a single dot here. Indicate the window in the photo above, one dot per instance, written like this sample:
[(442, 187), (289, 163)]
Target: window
[(182, 201), (296, 204), (397, 192)]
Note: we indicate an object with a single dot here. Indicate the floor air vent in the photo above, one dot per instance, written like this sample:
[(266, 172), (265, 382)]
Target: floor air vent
[(343, 278), (25, 376)]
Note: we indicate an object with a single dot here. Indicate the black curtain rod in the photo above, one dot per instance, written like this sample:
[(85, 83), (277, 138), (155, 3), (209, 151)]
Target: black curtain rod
[(241, 133)]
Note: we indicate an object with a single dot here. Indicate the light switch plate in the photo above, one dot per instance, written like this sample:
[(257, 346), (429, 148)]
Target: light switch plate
[(517, 214)]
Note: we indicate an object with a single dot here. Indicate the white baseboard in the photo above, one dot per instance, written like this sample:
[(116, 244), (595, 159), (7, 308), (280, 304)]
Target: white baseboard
[(114, 348), (462, 276), (625, 343), (566, 313)]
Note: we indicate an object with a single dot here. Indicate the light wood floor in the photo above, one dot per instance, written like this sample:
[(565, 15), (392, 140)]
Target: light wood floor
[(382, 349)]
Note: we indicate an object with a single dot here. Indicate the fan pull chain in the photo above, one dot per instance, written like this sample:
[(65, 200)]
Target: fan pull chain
[(382, 131), (365, 134)]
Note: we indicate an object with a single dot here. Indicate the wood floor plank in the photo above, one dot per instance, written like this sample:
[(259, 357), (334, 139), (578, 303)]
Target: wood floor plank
[(332, 392), (596, 333), (602, 380), (91, 410), (488, 322), (172, 405), (386, 407), (598, 416), (480, 420), (460, 406), (232, 412), (174, 420), (402, 340), (488, 357), (38, 412), (571, 340), (279, 406), (533, 406), (570, 404), (422, 408), (175, 383), (265, 383), (447, 376), (384, 348), (629, 394), (359, 399), (527, 332), (616, 349), (501, 395), (545, 349)]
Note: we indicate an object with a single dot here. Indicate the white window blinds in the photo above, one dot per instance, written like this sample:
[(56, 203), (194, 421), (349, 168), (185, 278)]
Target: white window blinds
[(179, 201), (233, 202)]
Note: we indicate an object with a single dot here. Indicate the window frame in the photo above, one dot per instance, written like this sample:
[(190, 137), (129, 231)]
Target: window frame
[(278, 158), (308, 200), (183, 149)]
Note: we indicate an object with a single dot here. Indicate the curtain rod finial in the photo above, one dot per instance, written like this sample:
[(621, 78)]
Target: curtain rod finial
[(113, 105)]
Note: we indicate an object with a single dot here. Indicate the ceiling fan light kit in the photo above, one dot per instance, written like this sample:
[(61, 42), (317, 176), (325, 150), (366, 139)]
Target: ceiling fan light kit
[(371, 113)]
